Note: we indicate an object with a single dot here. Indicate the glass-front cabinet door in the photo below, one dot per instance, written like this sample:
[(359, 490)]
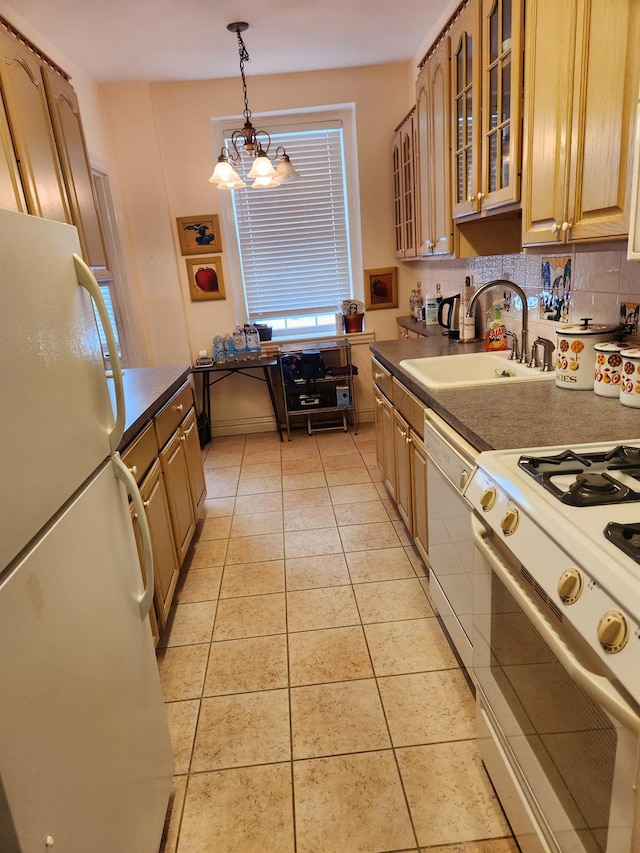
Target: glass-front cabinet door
[(501, 108), (466, 103)]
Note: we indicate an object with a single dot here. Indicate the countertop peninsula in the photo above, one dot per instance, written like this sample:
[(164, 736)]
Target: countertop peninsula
[(518, 415), (146, 391)]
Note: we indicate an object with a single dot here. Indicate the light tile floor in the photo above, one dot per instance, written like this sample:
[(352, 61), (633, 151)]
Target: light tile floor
[(313, 701)]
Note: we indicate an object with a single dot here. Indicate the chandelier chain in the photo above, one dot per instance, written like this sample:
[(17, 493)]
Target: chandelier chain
[(244, 57)]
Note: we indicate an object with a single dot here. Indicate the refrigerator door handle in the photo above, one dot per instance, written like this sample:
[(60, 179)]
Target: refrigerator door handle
[(125, 476), (87, 279)]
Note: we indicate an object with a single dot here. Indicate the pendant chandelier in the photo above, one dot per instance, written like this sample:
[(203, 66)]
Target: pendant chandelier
[(256, 144)]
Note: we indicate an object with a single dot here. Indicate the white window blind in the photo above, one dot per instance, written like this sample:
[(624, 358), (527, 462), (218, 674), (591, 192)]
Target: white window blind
[(294, 239)]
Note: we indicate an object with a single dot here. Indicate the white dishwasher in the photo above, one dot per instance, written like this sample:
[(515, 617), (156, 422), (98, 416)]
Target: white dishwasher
[(450, 463)]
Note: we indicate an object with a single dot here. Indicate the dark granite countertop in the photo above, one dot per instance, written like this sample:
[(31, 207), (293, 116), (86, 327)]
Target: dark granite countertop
[(504, 416), (147, 390)]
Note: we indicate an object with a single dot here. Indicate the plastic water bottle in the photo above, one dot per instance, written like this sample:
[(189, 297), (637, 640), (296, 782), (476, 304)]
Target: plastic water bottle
[(227, 346), (218, 348), (239, 341), (253, 339)]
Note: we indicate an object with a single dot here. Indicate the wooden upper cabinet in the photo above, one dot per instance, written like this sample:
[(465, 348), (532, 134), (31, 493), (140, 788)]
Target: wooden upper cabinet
[(501, 102), (404, 190), (72, 149), (486, 87), (11, 194), (581, 88), (433, 162), (31, 131), (466, 103)]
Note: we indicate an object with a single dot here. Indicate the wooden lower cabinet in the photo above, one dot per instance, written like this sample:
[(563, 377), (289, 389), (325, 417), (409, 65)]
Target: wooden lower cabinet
[(418, 467), (402, 452), (189, 437), (389, 464), (153, 619), (165, 560), (173, 458), (166, 462)]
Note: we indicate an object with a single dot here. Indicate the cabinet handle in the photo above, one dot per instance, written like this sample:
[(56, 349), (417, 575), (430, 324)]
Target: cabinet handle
[(188, 432), (408, 439), (567, 226), (379, 402), (480, 196), (470, 199), (179, 407), (378, 376), (555, 228), (134, 470)]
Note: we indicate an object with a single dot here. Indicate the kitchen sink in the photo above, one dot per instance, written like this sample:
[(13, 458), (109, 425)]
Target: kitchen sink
[(471, 368)]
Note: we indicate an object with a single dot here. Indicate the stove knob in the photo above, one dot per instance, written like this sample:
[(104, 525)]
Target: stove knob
[(488, 499), (510, 521), (570, 586), (613, 631)]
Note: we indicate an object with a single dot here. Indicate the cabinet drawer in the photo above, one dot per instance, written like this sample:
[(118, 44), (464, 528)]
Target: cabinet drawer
[(168, 420), (381, 378), (140, 454), (409, 407)]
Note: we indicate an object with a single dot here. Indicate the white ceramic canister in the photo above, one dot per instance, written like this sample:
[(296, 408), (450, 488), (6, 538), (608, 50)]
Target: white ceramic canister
[(575, 354), (608, 368), (630, 379)]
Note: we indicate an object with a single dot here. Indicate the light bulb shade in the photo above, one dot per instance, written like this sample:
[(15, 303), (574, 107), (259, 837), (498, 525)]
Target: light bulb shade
[(286, 171), (224, 172), (262, 168), (231, 185), (266, 183)]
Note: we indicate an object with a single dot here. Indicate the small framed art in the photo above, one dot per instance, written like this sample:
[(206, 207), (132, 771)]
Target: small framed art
[(199, 235), (205, 278), (381, 288)]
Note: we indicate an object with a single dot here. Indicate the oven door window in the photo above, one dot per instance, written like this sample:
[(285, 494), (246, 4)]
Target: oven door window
[(578, 763)]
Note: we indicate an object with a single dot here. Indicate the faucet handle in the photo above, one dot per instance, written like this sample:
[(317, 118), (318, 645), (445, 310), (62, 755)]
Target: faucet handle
[(514, 352), (548, 348)]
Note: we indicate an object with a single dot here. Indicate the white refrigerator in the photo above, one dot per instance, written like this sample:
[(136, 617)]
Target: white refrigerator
[(85, 755)]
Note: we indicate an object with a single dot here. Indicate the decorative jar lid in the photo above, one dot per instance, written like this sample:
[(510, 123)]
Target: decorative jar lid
[(587, 329), (612, 346)]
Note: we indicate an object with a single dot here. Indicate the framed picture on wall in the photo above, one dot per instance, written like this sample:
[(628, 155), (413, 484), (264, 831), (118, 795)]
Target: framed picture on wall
[(205, 278), (199, 235), (381, 288)]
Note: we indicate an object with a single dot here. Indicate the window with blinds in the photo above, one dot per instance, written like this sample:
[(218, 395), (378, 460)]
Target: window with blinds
[(294, 239)]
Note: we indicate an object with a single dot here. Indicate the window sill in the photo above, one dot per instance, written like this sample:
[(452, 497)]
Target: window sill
[(271, 347)]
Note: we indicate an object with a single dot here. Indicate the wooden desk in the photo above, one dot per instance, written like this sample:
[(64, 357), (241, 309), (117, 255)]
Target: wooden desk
[(228, 368)]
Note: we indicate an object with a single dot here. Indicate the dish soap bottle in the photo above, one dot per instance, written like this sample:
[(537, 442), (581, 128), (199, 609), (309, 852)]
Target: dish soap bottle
[(496, 335)]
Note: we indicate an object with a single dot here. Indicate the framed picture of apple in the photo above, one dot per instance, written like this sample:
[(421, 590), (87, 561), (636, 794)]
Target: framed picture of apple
[(205, 278), (381, 288), (199, 235)]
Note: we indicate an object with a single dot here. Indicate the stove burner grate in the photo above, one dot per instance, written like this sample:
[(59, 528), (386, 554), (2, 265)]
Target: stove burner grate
[(593, 487), (626, 537)]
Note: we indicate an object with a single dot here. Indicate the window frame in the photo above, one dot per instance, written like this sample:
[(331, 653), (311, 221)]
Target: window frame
[(279, 122)]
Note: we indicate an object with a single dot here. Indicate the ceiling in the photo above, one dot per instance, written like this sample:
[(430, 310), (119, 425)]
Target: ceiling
[(188, 40)]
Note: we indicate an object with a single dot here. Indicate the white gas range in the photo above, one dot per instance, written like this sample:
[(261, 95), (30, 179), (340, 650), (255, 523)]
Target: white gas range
[(572, 518), (556, 641)]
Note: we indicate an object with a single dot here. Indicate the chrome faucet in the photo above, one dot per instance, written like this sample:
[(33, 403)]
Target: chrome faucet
[(502, 282)]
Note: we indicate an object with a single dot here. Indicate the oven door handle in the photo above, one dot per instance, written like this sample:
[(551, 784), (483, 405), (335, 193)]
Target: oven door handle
[(598, 688)]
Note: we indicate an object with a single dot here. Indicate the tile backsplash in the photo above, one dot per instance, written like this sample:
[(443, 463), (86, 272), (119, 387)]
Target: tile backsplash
[(601, 281)]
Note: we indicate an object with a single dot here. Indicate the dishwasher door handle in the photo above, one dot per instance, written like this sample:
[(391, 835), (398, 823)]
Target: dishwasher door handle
[(598, 688)]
